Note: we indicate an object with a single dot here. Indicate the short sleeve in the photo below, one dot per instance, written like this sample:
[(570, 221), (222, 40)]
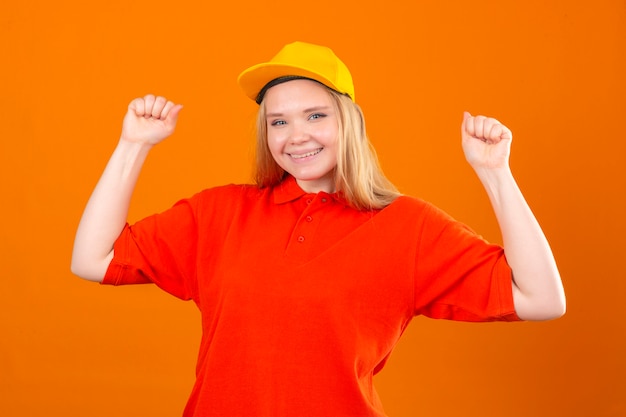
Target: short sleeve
[(459, 275), (160, 249)]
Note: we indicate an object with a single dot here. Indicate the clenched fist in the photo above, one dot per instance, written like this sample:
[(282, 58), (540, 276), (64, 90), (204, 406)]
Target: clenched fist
[(486, 142), (150, 119)]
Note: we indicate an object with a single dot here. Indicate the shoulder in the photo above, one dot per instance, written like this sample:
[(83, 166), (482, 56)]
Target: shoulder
[(226, 200), (229, 192), (413, 211), (413, 205)]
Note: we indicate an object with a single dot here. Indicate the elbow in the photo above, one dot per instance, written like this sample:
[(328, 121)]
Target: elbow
[(77, 266), (540, 309), (79, 270), (85, 271), (542, 312), (540, 298), (76, 269), (561, 308), (553, 312), (89, 265)]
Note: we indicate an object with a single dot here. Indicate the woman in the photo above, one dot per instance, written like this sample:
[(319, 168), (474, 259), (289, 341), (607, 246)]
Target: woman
[(306, 280)]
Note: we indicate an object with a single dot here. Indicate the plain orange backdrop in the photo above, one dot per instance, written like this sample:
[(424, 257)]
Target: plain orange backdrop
[(554, 72)]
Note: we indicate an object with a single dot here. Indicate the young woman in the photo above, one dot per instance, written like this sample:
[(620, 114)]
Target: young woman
[(306, 280)]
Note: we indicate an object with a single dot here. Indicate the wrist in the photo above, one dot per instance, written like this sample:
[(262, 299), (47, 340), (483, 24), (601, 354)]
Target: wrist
[(130, 155), (493, 173), (496, 181), (130, 145)]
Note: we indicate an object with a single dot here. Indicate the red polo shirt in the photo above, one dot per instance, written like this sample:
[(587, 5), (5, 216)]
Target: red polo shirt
[(302, 297)]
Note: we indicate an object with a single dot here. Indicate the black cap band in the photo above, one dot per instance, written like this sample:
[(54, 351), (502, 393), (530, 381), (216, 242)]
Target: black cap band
[(276, 81)]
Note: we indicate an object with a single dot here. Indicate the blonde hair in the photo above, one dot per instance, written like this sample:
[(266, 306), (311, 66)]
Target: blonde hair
[(358, 175)]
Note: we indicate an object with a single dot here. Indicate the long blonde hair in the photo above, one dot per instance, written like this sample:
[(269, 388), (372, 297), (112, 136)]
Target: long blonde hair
[(358, 175)]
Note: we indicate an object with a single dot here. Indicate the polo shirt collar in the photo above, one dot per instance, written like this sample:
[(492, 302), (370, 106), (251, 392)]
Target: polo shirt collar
[(289, 190)]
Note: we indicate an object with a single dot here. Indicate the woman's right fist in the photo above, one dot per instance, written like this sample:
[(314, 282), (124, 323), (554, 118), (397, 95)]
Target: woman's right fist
[(150, 119)]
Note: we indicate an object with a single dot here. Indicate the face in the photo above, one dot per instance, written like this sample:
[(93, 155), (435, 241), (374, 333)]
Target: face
[(302, 133)]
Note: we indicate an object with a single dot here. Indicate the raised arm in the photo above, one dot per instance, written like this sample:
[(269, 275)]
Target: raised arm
[(148, 121), (537, 289)]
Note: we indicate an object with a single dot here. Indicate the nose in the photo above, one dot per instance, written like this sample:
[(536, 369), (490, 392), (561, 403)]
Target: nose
[(298, 133)]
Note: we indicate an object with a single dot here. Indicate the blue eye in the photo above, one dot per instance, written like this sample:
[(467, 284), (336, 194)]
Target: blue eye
[(317, 116), (278, 123)]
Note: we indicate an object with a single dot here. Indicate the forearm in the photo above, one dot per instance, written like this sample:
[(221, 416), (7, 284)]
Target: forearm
[(106, 211), (537, 288)]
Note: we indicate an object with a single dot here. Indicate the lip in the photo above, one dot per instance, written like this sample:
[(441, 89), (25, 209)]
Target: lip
[(305, 156)]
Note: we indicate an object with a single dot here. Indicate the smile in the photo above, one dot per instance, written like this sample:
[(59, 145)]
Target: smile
[(305, 155)]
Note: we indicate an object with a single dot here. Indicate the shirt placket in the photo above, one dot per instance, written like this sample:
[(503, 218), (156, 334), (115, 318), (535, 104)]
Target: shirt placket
[(303, 237)]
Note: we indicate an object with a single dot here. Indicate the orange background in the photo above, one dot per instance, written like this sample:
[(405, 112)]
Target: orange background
[(554, 72)]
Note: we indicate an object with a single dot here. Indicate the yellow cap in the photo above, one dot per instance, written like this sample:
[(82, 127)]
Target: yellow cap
[(298, 60)]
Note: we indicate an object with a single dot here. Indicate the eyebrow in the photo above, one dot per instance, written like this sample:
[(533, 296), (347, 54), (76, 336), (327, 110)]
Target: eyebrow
[(307, 110)]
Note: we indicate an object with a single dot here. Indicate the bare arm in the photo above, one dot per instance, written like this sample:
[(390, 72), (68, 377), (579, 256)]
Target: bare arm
[(537, 289), (148, 121)]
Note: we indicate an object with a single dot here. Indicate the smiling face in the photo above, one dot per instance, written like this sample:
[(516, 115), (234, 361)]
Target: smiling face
[(302, 132)]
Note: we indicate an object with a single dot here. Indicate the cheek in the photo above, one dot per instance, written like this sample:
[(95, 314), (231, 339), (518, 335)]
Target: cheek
[(275, 146), (332, 137), (271, 142)]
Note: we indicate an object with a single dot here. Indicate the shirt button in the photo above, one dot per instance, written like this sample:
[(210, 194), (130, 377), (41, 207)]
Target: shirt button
[(308, 201), (300, 239), (324, 200), (309, 218)]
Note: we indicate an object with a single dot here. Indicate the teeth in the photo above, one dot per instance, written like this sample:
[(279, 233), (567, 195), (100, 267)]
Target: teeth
[(304, 155)]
